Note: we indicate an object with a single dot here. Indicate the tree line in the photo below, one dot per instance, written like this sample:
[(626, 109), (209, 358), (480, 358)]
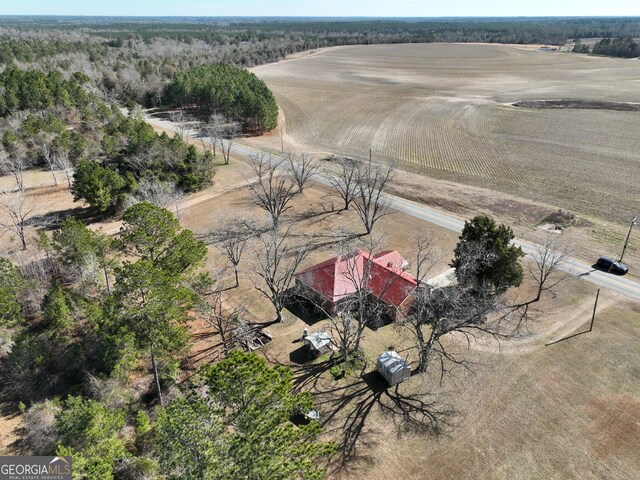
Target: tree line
[(135, 60), (617, 47)]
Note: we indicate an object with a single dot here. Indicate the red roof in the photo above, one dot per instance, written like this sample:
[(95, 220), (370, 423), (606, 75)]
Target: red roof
[(341, 276)]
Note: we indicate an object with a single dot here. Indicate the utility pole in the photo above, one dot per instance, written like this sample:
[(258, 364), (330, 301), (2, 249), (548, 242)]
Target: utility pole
[(593, 316), (633, 223)]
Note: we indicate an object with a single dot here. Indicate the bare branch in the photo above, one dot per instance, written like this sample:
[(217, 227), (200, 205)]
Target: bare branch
[(162, 194), (369, 201), (17, 210), (62, 162), (302, 169), (344, 180), (274, 189), (278, 260), (226, 137)]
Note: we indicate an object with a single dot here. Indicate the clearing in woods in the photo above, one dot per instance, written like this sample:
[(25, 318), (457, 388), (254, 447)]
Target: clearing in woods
[(446, 110)]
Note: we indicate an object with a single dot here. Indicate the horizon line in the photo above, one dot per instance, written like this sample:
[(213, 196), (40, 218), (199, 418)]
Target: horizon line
[(4, 15)]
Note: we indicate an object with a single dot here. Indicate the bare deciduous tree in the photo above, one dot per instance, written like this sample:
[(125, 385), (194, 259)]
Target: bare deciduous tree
[(18, 210), (16, 166), (369, 202), (230, 236), (226, 139), (214, 130), (162, 194), (545, 271), (62, 162), (547, 261), (278, 260), (223, 321), (302, 169), (444, 311), (344, 180), (49, 159), (180, 124), (274, 189), (39, 423), (424, 255)]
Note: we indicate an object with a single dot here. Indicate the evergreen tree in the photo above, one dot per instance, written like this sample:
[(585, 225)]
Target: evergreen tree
[(101, 187), (153, 233), (80, 246), (228, 90), (55, 308), (259, 401), (485, 258), (90, 433), (191, 441), (12, 284), (154, 293), (242, 429)]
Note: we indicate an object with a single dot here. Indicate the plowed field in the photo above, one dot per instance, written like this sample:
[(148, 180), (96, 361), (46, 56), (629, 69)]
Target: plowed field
[(445, 111)]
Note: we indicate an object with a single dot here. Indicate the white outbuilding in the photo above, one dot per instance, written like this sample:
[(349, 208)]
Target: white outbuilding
[(318, 342), (393, 368)]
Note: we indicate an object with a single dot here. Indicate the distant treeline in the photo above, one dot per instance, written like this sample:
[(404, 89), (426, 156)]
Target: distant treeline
[(136, 58), (553, 30)]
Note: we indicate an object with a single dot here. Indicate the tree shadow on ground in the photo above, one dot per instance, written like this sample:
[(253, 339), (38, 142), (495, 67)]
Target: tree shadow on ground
[(303, 308), (345, 405), (410, 412), (52, 220), (311, 213)]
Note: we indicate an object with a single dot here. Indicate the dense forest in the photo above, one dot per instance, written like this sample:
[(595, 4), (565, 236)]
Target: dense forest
[(64, 126), (227, 90), (80, 328)]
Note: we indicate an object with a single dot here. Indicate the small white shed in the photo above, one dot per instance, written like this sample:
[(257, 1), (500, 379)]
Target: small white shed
[(318, 342), (393, 368)]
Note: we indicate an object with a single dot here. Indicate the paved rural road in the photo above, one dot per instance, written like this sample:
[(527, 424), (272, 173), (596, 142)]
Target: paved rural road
[(574, 266)]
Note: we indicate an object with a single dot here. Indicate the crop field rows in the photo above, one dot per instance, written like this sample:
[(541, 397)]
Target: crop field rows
[(445, 110)]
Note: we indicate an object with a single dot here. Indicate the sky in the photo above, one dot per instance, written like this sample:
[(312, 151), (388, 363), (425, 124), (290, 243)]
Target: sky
[(333, 8)]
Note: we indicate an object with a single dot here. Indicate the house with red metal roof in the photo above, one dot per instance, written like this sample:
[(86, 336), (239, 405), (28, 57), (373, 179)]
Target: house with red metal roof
[(382, 275)]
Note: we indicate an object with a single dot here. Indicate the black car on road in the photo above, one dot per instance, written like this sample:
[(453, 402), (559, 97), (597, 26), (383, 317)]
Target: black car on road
[(610, 265)]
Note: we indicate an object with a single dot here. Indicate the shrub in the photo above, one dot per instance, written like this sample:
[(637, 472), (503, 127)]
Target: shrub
[(39, 422)]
